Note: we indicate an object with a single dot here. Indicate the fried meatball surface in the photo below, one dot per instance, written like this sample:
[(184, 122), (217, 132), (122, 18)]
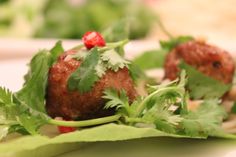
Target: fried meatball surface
[(60, 102), (210, 60)]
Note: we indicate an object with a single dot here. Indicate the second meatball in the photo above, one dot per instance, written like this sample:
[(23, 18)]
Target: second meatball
[(210, 60)]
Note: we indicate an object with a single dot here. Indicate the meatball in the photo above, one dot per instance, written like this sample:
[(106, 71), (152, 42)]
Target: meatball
[(60, 102), (210, 60)]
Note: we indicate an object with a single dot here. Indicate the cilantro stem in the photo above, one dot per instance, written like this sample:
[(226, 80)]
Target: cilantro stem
[(163, 29), (85, 123), (134, 120), (113, 45), (143, 104)]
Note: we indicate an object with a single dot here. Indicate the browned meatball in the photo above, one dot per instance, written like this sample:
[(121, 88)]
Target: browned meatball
[(60, 102), (210, 60)]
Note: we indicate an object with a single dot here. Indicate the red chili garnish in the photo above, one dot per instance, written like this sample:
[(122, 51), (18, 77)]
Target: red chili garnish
[(92, 39), (66, 129)]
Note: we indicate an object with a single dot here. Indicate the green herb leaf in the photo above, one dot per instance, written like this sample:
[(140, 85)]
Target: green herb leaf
[(100, 68), (26, 146), (14, 114), (33, 91), (80, 55), (114, 60), (151, 59), (31, 123), (169, 45), (202, 86), (136, 73), (5, 96), (117, 46), (165, 108), (233, 109), (117, 31), (205, 121), (56, 51), (115, 99), (156, 58), (85, 76)]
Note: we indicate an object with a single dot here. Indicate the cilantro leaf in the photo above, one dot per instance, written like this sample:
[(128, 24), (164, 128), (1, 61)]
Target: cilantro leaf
[(136, 73), (85, 76), (80, 55), (141, 110), (151, 59), (56, 51), (117, 46), (162, 118), (105, 58), (172, 43), (31, 123), (5, 96), (100, 68), (33, 91), (165, 109), (206, 120), (117, 100), (202, 86), (114, 60), (18, 117)]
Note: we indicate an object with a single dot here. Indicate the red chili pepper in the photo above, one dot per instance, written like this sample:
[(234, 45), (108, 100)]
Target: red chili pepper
[(66, 129), (92, 39)]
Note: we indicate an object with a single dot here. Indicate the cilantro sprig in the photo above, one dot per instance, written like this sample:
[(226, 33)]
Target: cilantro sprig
[(85, 76), (165, 108), (201, 86), (94, 65), (24, 111)]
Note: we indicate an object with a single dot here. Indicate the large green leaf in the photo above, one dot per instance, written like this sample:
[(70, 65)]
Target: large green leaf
[(33, 93), (151, 59), (109, 132)]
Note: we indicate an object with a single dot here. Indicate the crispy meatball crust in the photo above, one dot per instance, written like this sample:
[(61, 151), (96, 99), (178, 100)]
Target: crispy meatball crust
[(210, 60), (60, 102)]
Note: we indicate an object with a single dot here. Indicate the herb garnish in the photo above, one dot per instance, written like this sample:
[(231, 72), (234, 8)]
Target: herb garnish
[(85, 76), (156, 58), (173, 42), (202, 86), (94, 65), (159, 108)]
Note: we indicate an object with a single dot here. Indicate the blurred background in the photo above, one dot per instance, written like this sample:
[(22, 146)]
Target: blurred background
[(70, 19), (117, 19), (27, 25)]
